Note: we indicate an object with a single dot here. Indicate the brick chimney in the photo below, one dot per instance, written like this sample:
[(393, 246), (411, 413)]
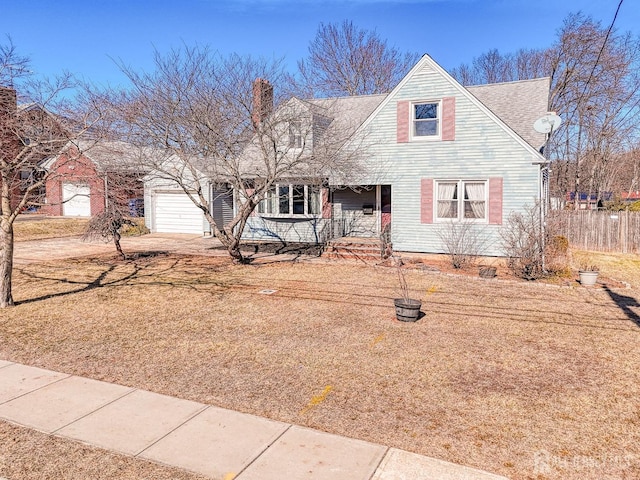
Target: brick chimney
[(262, 101), (8, 100)]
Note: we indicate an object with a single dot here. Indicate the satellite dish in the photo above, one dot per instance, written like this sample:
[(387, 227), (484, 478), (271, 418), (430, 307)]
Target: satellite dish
[(548, 123)]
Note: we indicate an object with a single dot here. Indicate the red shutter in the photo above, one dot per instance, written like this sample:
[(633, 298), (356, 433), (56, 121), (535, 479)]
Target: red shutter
[(326, 206), (495, 201), (403, 122), (449, 118), (426, 200)]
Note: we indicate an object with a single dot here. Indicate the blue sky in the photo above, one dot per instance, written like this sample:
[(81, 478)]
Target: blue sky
[(84, 37)]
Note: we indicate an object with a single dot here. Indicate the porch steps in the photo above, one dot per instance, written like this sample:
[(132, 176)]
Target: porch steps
[(351, 248)]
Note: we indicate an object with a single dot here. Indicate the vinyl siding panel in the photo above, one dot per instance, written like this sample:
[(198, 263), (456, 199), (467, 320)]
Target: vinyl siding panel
[(349, 203), (285, 229), (482, 149)]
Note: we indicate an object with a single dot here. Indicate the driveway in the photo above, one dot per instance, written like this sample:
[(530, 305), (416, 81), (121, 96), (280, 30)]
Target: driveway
[(70, 247)]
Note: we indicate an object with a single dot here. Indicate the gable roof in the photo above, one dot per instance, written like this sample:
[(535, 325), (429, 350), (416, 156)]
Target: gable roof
[(514, 105), (106, 156), (518, 104), (347, 113)]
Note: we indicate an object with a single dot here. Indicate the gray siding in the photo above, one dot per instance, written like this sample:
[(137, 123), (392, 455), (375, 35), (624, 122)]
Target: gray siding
[(222, 206), (285, 229), (347, 206)]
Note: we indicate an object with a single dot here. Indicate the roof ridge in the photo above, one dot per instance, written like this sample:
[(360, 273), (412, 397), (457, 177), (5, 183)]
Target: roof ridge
[(344, 97), (537, 79)]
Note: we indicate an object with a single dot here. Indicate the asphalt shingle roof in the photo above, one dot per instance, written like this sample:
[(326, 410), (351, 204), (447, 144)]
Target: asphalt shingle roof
[(518, 104)]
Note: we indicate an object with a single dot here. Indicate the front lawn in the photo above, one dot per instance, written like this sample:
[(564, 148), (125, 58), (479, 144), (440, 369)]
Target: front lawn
[(526, 380), (37, 227)]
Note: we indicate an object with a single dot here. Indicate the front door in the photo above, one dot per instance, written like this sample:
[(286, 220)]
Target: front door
[(385, 208)]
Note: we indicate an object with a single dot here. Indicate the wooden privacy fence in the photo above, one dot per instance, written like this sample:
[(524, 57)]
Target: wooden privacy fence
[(598, 229)]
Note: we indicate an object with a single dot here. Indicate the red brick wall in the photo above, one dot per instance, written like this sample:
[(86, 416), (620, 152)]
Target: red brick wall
[(9, 142), (69, 169)]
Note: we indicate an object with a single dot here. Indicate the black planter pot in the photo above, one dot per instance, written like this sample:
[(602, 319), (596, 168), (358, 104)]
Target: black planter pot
[(407, 310)]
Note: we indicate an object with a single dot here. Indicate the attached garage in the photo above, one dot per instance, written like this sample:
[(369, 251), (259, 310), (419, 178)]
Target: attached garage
[(76, 200), (175, 213)]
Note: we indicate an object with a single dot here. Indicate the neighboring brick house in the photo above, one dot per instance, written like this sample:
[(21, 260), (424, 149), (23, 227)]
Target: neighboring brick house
[(28, 136), (85, 181)]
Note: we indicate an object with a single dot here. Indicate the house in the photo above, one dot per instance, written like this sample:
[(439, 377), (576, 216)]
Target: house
[(28, 134), (60, 178), (87, 176), (433, 154), (589, 201)]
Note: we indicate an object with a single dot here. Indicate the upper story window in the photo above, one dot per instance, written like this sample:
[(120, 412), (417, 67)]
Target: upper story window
[(461, 200), (291, 200), (295, 134), (426, 119)]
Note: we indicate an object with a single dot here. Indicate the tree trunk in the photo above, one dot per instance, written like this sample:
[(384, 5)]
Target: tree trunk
[(231, 235), (116, 241), (6, 263)]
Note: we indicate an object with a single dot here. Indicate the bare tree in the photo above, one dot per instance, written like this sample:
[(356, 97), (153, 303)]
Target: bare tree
[(495, 67), (346, 60), (13, 66), (595, 88), (206, 123), (118, 214), (43, 124)]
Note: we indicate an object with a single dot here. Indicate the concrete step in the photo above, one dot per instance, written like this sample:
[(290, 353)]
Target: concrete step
[(354, 256), (365, 249)]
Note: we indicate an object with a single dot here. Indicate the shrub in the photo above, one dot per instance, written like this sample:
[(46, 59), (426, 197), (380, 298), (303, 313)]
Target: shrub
[(557, 255), (635, 206), (523, 244), (134, 229), (462, 242)]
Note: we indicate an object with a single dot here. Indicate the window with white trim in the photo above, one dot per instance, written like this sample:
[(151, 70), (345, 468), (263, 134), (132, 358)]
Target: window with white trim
[(290, 201), (426, 118), (295, 134), (461, 200)]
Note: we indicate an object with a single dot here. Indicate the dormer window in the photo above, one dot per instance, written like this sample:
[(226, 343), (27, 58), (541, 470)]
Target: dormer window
[(426, 119), (295, 134)]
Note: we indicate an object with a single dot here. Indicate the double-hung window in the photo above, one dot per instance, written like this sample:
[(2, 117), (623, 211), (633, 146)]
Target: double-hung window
[(290, 201), (295, 134), (461, 200), (426, 120)]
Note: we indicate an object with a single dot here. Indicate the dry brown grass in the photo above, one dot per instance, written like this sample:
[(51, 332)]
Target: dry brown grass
[(37, 228), (27, 454), (495, 373), (621, 266)]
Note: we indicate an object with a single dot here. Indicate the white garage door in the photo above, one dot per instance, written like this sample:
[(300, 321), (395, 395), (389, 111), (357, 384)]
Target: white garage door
[(77, 202), (176, 213)]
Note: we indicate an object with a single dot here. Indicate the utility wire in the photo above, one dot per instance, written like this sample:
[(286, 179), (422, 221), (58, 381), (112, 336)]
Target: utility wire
[(604, 44)]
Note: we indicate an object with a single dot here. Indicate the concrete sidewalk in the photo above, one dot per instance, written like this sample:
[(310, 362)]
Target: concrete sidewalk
[(204, 439)]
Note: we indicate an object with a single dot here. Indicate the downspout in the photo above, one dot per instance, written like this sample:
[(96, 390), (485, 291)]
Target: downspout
[(106, 196)]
